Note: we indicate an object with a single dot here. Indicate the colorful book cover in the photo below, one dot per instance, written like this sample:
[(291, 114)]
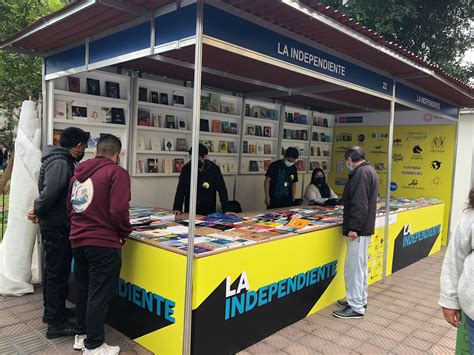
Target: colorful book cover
[(258, 131), (178, 165), (204, 125), (93, 87), (181, 144), (154, 97), (168, 144), (74, 84), (205, 103), (223, 147), (112, 89), (267, 131), (144, 117), (170, 121), (215, 102), (216, 126), (225, 127), (143, 94)]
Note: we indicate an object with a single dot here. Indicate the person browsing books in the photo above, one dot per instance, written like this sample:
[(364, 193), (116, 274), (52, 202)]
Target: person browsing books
[(98, 202), (280, 181), (318, 190), (210, 182), (50, 211)]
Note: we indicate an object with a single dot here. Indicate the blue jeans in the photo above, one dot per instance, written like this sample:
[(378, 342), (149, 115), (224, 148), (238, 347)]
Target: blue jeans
[(470, 330)]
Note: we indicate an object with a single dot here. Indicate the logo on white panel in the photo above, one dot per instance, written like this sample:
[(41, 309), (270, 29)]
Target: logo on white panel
[(82, 195)]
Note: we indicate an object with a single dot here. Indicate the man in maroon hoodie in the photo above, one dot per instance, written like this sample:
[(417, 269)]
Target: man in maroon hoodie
[(98, 202)]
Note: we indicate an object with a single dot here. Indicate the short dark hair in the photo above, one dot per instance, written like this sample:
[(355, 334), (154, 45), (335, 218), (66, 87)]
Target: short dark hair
[(108, 145), (202, 150), (356, 154), (291, 152), (72, 136)]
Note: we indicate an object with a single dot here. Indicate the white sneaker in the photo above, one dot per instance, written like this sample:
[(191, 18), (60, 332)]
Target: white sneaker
[(104, 349), (79, 342)]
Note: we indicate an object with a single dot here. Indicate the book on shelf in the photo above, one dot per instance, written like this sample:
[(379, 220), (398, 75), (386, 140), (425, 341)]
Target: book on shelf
[(143, 94), (266, 164), (155, 144), (255, 112), (182, 124), (144, 117), (301, 165), (272, 114), (231, 147), (93, 87), (290, 117), (302, 152), (304, 135), (168, 166), (57, 136), (311, 151), (324, 165), (178, 165), (233, 128), (259, 148), (326, 153), (314, 165), (232, 167), (315, 137), (253, 165), (156, 119), (170, 121), (303, 119), (223, 147), (215, 102), (94, 113), (247, 110), (325, 122), (263, 112), (315, 121), (296, 117), (250, 130), (106, 114), (205, 103), (141, 143), (299, 134), (261, 167), (245, 147), (227, 107), (323, 137), (210, 145), (258, 131), (267, 149), (164, 98), (60, 109), (294, 134), (79, 112), (73, 84), (252, 149), (112, 89), (318, 150), (118, 115), (267, 131), (168, 144), (140, 166), (181, 144), (178, 100), (155, 98), (204, 125), (216, 126), (225, 127), (153, 165)]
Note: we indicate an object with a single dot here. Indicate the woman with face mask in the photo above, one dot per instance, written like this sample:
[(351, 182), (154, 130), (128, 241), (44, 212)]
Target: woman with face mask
[(318, 190)]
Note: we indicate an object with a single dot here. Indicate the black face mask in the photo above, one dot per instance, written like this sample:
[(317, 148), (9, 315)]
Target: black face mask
[(319, 180), (80, 157)]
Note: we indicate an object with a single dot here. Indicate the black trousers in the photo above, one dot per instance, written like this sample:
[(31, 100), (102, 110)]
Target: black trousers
[(274, 203), (97, 272), (57, 267)]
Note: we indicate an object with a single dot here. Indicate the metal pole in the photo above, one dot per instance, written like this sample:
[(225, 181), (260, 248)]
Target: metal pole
[(389, 182), (188, 308)]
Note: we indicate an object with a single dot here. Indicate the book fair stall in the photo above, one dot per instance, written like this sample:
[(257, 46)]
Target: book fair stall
[(247, 79)]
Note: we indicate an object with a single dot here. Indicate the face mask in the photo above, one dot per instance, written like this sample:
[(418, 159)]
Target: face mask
[(289, 163), (319, 180), (350, 168), (79, 157), (201, 163)]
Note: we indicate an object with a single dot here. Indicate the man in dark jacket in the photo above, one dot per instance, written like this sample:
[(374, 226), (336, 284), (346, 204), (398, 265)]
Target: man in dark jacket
[(360, 205), (100, 223), (51, 213), (210, 181)]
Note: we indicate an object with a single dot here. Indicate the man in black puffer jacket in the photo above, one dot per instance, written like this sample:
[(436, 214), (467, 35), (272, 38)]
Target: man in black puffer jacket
[(50, 212)]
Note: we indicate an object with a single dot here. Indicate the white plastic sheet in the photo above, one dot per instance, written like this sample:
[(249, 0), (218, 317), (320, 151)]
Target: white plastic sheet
[(16, 251)]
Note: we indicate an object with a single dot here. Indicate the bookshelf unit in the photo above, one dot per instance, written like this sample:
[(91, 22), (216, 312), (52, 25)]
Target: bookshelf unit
[(296, 133), (161, 128), (221, 120), (260, 132), (90, 108), (322, 138)]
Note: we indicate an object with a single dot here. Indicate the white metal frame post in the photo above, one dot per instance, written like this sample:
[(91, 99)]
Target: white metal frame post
[(188, 308), (389, 182)]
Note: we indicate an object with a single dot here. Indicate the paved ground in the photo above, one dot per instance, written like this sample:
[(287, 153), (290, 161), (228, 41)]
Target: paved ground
[(403, 318)]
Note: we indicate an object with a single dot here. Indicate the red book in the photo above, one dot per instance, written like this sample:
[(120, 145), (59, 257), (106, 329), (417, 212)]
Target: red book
[(266, 164), (178, 165), (73, 84), (216, 126)]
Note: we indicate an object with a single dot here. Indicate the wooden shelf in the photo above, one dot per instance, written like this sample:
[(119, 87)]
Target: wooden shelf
[(86, 97), (163, 107), (161, 129), (161, 152), (89, 123), (246, 136)]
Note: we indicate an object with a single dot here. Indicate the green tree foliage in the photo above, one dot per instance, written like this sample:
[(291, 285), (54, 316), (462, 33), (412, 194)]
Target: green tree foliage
[(436, 30), (20, 74)]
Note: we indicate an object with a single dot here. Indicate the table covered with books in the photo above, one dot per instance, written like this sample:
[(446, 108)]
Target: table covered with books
[(255, 273)]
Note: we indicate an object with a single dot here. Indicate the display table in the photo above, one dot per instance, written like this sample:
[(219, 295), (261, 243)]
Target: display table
[(245, 293)]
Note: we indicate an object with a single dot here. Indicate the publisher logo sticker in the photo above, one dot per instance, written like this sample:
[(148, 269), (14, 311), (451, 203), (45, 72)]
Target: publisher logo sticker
[(205, 185), (292, 177), (82, 195)]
